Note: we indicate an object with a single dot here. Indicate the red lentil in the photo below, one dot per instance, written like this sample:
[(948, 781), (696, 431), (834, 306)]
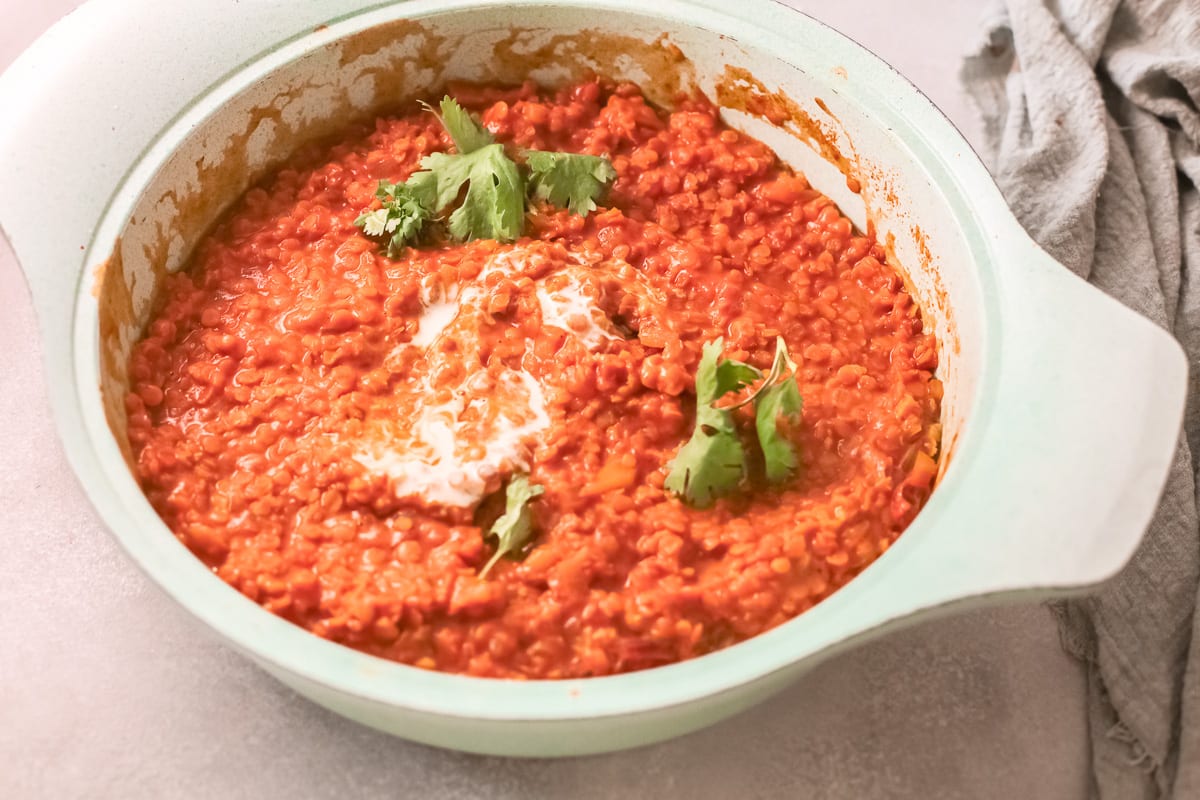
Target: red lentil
[(290, 338)]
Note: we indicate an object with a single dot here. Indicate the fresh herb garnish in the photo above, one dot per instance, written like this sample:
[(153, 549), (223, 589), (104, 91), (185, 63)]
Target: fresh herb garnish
[(493, 206), (569, 180), (468, 135), (404, 211), (713, 461), (779, 398), (514, 527)]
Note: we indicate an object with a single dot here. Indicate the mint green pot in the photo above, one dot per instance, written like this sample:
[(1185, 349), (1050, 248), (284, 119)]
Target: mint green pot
[(1062, 407)]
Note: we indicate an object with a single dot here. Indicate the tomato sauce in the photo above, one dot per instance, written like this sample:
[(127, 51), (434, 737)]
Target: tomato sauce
[(330, 430)]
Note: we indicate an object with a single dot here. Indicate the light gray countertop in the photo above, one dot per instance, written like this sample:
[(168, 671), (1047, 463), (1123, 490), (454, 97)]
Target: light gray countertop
[(107, 689)]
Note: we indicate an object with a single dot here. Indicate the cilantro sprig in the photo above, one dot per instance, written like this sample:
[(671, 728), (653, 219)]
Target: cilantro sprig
[(493, 206), (404, 210), (712, 462), (467, 133), (514, 527), (778, 399), (569, 180)]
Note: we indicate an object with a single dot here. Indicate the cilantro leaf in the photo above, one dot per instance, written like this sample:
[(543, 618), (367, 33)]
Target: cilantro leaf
[(781, 398), (468, 135), (711, 464), (733, 376), (374, 223), (514, 527), (569, 180), (405, 209), (713, 461), (494, 206), (709, 375)]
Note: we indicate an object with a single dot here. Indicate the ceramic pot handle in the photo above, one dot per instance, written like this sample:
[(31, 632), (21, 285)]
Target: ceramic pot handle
[(1086, 399), (1097, 397)]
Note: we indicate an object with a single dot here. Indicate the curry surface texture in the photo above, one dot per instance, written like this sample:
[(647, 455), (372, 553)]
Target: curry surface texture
[(330, 429)]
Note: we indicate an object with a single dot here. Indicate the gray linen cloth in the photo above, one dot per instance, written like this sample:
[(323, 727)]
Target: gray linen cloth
[(1093, 133)]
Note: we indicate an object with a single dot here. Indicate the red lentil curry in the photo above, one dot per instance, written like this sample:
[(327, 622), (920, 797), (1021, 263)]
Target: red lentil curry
[(330, 426)]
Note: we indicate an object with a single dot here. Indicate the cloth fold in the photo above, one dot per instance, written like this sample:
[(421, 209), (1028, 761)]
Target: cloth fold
[(1091, 112)]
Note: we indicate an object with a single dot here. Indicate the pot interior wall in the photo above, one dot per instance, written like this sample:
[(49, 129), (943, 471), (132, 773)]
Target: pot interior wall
[(809, 111)]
